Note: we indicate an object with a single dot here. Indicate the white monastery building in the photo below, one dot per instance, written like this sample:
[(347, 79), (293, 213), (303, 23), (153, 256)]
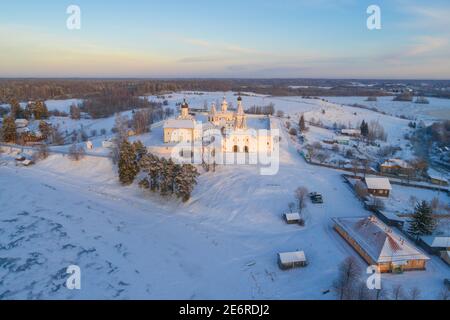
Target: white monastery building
[(235, 135)]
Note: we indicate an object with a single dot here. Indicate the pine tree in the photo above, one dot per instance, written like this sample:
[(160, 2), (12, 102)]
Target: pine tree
[(9, 133), (150, 164), (40, 110), (140, 149), (185, 181), (302, 124), (423, 222), (128, 167), (364, 129)]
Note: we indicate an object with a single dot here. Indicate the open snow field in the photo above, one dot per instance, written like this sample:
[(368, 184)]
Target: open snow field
[(437, 109), (222, 244)]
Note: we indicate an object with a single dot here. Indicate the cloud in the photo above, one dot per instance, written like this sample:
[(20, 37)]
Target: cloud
[(427, 44)]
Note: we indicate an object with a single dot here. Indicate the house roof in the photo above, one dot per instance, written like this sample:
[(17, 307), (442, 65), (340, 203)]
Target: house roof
[(379, 241), (291, 257), (292, 216), (437, 242), (351, 131), (378, 183), (396, 162), (179, 124)]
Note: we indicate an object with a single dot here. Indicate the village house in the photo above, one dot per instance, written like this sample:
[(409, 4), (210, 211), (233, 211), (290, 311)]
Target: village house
[(397, 167), (351, 132), (378, 186), (379, 245), (437, 178)]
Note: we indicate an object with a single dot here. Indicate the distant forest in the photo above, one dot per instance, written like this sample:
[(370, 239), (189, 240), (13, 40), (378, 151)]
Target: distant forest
[(44, 89)]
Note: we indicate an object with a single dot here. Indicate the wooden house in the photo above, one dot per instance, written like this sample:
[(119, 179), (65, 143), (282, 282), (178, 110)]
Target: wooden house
[(378, 186), (397, 167), (379, 245)]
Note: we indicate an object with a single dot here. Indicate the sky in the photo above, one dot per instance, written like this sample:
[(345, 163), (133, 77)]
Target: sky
[(226, 39)]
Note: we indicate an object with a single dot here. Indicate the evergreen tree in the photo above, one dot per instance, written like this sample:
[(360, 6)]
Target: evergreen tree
[(302, 124), (16, 109), (185, 181), (140, 149), (9, 133), (422, 222), (40, 110), (128, 167), (364, 129), (150, 164)]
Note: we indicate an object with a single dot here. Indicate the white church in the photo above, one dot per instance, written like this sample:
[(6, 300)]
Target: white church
[(236, 136)]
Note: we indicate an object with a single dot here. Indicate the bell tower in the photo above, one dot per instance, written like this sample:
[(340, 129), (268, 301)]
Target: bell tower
[(184, 110)]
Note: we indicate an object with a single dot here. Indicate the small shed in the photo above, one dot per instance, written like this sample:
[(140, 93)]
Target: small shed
[(378, 186), (27, 163), (292, 218), (289, 260)]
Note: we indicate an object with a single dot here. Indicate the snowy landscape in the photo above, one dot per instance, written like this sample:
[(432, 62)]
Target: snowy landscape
[(223, 242)]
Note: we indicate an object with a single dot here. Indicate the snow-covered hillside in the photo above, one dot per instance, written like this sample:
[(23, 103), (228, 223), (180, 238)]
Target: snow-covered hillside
[(222, 244)]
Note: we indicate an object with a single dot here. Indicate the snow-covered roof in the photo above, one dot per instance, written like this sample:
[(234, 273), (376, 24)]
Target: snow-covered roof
[(291, 257), (380, 241), (292, 216), (351, 131), (396, 162), (378, 183), (21, 122), (437, 242), (434, 174), (179, 124)]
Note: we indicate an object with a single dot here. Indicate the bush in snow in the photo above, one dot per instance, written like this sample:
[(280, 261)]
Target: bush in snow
[(76, 153)]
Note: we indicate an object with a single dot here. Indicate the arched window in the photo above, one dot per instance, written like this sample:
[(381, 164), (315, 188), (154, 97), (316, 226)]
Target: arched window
[(235, 149)]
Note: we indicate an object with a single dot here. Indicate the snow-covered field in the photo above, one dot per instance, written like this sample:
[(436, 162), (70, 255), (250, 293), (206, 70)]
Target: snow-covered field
[(437, 109), (222, 244)]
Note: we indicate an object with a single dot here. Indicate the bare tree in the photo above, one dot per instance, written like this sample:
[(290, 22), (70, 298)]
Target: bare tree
[(349, 273), (444, 294), (355, 167), (300, 195), (76, 153), (398, 292), (380, 294), (41, 153), (121, 127), (141, 121), (322, 157), (414, 294), (361, 190)]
